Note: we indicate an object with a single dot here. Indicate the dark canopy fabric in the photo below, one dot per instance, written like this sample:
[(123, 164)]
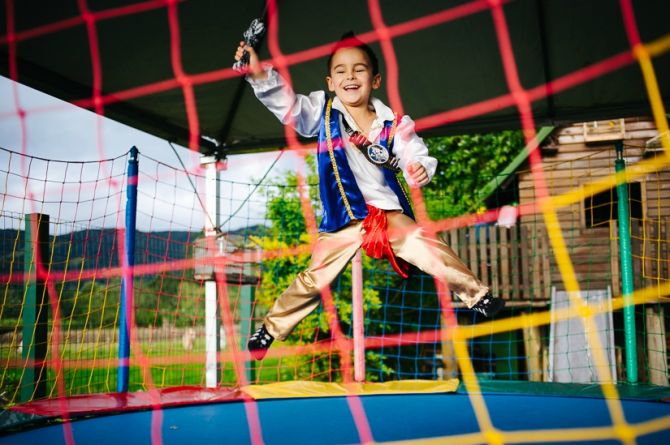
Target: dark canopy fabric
[(447, 52)]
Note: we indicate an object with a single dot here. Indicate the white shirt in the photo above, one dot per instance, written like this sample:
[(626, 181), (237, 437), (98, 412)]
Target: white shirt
[(304, 114)]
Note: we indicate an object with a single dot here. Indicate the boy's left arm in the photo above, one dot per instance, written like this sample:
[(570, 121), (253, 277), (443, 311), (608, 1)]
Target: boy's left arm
[(418, 168)]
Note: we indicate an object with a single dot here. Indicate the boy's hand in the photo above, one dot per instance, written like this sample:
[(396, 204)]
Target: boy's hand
[(418, 174), (255, 70)]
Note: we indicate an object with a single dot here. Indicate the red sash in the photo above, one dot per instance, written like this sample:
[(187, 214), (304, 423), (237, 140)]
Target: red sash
[(376, 241)]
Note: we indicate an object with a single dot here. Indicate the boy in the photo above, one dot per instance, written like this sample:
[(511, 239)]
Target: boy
[(361, 146)]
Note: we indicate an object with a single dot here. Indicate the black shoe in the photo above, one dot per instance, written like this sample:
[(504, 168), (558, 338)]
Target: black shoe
[(260, 342), (489, 305)]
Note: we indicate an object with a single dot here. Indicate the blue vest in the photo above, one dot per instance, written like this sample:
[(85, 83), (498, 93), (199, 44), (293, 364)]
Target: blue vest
[(341, 198)]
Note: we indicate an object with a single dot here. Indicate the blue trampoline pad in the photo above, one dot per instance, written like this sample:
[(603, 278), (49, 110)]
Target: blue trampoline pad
[(328, 420)]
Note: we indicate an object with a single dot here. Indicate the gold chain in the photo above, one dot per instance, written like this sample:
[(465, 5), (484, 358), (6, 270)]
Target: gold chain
[(409, 201), (329, 141), (394, 126)]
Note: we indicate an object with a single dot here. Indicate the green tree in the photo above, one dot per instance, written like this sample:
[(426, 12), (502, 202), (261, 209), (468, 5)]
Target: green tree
[(466, 164)]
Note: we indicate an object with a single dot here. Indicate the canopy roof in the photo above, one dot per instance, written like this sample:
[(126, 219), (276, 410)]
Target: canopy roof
[(573, 57)]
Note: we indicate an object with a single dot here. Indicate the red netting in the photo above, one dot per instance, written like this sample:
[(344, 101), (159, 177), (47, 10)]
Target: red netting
[(83, 264)]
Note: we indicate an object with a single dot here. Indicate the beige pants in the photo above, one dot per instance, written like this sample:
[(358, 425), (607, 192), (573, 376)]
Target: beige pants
[(332, 252)]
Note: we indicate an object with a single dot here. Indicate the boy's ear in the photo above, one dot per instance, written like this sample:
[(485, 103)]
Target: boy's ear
[(331, 84), (376, 81)]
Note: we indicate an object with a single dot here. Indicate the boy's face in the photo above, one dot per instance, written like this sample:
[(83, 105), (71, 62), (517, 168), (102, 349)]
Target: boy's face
[(351, 77)]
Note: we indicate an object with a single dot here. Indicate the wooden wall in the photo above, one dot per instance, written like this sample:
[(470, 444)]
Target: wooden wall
[(572, 162)]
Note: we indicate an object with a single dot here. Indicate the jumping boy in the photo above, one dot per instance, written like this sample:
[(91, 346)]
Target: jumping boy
[(361, 146)]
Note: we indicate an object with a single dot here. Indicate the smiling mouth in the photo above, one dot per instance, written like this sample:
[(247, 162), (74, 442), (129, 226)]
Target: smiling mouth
[(351, 87)]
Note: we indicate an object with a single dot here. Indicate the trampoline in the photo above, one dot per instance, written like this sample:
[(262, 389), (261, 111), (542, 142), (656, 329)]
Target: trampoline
[(433, 417), (508, 65)]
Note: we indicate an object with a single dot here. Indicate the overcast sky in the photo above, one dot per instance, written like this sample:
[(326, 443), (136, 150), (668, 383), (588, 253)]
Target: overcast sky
[(57, 130)]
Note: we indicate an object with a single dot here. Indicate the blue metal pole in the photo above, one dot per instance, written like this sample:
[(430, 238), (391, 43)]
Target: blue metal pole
[(127, 274)]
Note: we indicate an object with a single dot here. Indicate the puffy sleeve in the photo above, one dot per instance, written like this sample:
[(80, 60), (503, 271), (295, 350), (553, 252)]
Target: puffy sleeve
[(301, 112), (410, 148)]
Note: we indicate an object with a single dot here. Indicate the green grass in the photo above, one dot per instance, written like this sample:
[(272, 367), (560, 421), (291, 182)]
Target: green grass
[(82, 379), (87, 351), (87, 380)]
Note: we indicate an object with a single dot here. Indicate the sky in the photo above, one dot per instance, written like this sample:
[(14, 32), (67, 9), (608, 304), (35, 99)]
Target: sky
[(57, 130)]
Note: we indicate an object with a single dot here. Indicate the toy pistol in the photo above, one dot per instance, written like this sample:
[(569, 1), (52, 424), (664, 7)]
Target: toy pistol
[(252, 37)]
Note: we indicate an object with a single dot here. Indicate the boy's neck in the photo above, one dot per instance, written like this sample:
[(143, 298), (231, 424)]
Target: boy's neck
[(361, 112)]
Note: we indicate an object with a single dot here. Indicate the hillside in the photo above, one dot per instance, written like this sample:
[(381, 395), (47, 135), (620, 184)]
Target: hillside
[(98, 248)]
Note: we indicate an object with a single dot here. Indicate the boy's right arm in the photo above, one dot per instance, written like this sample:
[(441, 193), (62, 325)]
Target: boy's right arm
[(301, 112)]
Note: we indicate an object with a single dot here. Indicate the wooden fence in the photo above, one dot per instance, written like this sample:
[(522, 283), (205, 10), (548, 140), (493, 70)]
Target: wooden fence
[(519, 265), (515, 262)]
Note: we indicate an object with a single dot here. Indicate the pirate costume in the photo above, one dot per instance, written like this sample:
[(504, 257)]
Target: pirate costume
[(364, 205)]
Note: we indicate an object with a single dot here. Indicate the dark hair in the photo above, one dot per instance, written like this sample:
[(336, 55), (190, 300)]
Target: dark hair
[(349, 40)]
